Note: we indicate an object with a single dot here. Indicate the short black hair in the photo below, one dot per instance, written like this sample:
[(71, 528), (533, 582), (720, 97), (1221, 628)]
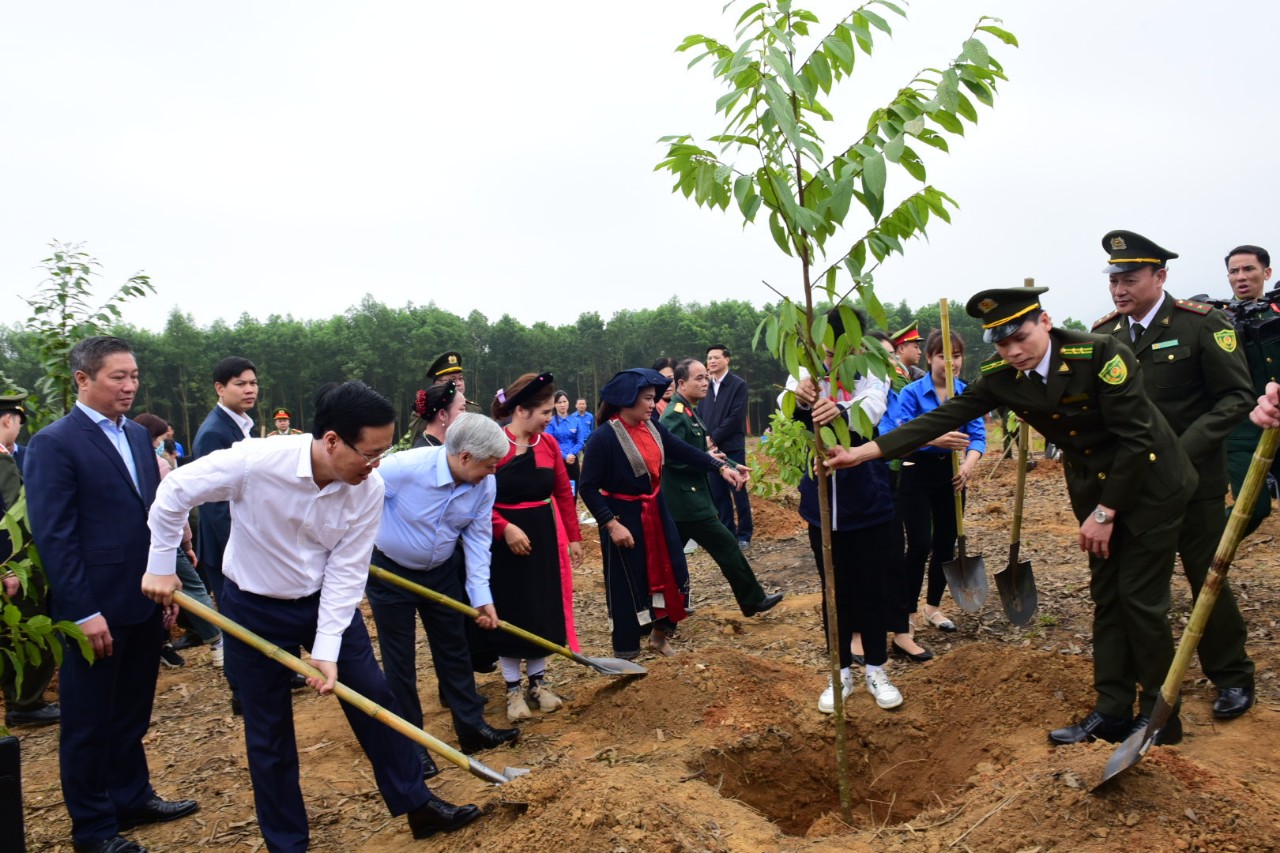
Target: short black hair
[(231, 367), (346, 408), (724, 350), (660, 363), (89, 355), (681, 370), (1263, 256)]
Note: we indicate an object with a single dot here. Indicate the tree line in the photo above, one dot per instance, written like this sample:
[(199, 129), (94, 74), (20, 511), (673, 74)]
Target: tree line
[(390, 349)]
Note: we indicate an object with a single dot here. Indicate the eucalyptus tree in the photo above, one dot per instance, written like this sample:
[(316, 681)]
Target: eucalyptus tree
[(770, 161)]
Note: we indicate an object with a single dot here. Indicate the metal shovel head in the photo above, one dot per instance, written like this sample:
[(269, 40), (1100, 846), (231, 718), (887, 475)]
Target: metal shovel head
[(967, 580), (613, 666), (1017, 587), (1136, 745)]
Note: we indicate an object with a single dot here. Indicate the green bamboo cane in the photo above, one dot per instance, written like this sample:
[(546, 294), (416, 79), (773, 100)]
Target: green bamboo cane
[(343, 692)]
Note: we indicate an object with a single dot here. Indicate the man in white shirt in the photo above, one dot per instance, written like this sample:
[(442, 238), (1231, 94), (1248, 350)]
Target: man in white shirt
[(304, 514)]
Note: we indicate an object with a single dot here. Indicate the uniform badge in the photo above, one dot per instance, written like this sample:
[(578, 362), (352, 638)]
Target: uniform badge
[(1226, 339), (986, 305), (1117, 243), (679, 407), (1114, 372), (453, 359)]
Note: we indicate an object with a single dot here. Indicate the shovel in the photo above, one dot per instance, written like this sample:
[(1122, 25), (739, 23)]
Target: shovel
[(966, 576), (1136, 745), (346, 694), (1015, 582), (604, 666)]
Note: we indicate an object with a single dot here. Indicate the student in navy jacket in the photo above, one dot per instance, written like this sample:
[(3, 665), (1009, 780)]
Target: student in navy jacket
[(91, 477)]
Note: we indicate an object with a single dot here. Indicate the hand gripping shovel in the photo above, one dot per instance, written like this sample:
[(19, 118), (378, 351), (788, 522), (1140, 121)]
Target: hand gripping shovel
[(1015, 582), (966, 576), (1136, 745), (604, 666), (346, 694)]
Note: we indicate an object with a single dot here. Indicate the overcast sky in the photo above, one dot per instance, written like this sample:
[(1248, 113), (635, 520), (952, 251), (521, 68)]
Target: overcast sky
[(288, 158)]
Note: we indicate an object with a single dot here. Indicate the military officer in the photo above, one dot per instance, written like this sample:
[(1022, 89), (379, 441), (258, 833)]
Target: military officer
[(1195, 372), (689, 495), (283, 418), (447, 367), (906, 346), (1127, 476)]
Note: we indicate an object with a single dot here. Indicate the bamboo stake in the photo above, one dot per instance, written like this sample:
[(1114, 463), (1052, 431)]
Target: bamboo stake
[(343, 692)]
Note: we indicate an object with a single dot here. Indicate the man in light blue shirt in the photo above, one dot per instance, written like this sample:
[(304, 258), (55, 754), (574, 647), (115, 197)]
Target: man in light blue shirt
[(435, 498)]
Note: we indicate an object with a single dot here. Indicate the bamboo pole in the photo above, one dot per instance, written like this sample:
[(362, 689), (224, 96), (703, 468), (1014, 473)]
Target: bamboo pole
[(343, 692)]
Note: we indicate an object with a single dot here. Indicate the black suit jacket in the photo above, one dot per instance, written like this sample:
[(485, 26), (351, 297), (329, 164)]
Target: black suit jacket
[(218, 432), (725, 414), (89, 521)]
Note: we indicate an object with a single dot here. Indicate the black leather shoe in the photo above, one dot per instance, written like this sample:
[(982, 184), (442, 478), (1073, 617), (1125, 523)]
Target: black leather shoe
[(298, 682), (45, 716), (486, 737), (187, 641), (158, 811), (918, 657), (1232, 702), (1169, 734), (767, 603), (439, 816), (169, 657), (429, 769), (1096, 725), (114, 844)]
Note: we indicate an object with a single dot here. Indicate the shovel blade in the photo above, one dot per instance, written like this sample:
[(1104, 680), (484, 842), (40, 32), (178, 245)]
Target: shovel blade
[(614, 666), (1017, 587), (967, 580), (1136, 745)]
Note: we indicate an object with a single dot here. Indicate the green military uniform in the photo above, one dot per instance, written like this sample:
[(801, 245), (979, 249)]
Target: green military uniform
[(1120, 453), (278, 415), (1257, 325), (1195, 372), (689, 501)]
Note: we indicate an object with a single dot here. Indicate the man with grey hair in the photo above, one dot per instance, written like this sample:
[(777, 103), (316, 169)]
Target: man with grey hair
[(436, 498)]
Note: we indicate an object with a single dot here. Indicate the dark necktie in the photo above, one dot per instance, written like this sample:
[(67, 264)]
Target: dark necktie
[(1136, 329)]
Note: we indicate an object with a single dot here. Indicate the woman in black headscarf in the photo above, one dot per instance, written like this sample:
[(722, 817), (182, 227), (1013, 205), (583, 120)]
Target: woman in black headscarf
[(646, 577)]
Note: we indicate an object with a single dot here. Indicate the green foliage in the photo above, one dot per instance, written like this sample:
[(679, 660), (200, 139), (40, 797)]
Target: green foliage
[(786, 450), (62, 314), (772, 161), (26, 640)]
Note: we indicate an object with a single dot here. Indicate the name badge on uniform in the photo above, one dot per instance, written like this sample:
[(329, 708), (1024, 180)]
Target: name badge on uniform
[(1163, 344)]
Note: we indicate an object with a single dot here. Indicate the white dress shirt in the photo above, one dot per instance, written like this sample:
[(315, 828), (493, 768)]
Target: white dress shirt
[(289, 538), (242, 420)]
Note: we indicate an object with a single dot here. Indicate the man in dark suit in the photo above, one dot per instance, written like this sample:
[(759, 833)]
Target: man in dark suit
[(1127, 475), (1195, 371), (235, 380), (91, 477), (724, 414)]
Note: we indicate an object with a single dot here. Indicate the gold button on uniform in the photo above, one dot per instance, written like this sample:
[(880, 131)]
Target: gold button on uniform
[(1102, 475), (1089, 452), (1153, 457), (1073, 432), (1056, 416)]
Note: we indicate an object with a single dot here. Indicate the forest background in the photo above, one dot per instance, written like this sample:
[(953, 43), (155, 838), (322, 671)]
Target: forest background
[(390, 349)]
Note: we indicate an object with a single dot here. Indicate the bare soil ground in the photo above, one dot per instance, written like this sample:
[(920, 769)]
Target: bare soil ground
[(721, 748)]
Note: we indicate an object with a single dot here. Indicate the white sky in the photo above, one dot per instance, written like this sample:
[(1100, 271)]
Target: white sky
[(291, 157)]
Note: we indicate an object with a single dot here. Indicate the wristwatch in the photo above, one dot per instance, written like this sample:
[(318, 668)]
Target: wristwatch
[(1101, 516)]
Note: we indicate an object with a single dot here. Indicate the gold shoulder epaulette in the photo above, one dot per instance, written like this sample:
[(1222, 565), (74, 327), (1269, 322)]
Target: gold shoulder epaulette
[(1193, 307), (679, 407), (1107, 319), (993, 365), (1077, 352)]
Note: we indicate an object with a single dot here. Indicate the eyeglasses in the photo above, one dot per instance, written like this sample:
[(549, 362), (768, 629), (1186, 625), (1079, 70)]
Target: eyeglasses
[(370, 459)]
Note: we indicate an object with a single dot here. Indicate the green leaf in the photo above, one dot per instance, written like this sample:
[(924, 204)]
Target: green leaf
[(976, 52), (878, 22), (841, 427), (1004, 35), (789, 403), (779, 232), (948, 122), (829, 437), (894, 147)]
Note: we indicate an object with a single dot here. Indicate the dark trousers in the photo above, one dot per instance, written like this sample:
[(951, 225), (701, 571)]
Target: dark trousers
[(1222, 647), (1239, 457), (1132, 643), (724, 549), (927, 502), (106, 708), (268, 714), (727, 499), (864, 561), (395, 612)]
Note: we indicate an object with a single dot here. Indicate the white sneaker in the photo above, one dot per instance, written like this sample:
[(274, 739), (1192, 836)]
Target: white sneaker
[(517, 708), (215, 655), (690, 547), (827, 701), (879, 685)]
